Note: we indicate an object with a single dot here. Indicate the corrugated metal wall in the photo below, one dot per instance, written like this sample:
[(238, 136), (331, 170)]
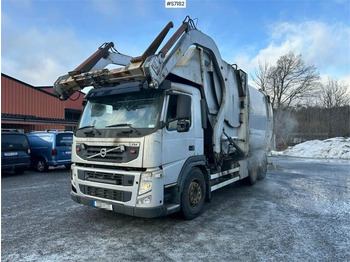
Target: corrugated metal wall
[(74, 102), (17, 98)]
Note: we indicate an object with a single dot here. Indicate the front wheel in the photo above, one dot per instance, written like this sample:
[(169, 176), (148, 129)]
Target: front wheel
[(193, 195)]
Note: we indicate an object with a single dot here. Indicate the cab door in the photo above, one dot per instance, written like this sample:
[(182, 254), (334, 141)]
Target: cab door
[(178, 135)]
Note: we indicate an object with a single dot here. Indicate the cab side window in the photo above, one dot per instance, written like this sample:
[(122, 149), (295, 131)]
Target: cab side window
[(179, 113)]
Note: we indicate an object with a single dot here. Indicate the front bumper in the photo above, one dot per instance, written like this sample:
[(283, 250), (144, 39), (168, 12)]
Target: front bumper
[(119, 189), (148, 212)]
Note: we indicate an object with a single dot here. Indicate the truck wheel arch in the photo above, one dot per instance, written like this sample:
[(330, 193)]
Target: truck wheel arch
[(194, 162)]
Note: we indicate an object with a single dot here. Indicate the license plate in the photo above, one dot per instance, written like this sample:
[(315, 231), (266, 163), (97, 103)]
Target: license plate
[(11, 154), (102, 205), (68, 152)]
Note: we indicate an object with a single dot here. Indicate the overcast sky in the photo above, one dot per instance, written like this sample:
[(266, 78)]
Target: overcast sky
[(41, 40)]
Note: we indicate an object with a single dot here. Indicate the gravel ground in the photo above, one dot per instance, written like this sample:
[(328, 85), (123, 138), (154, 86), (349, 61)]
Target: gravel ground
[(300, 212)]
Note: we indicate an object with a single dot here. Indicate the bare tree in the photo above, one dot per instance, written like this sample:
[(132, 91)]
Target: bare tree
[(335, 100), (288, 81), (262, 75), (334, 93)]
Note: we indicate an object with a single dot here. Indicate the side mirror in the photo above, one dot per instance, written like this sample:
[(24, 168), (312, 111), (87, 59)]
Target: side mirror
[(162, 124), (183, 125)]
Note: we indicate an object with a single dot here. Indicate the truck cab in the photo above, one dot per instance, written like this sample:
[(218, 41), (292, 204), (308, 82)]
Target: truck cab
[(140, 143)]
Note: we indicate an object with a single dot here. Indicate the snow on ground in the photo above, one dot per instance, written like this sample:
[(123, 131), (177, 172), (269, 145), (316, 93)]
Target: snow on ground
[(337, 147)]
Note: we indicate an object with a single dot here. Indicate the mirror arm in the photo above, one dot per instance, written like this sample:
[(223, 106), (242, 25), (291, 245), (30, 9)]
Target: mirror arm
[(162, 124)]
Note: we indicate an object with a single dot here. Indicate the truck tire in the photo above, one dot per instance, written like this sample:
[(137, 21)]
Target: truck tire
[(252, 176), (193, 195), (262, 170), (40, 165)]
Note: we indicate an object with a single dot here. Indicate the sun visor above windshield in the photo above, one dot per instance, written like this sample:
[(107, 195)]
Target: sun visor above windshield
[(124, 88)]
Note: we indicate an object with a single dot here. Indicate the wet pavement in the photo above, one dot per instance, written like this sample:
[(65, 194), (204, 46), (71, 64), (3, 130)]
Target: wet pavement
[(300, 212)]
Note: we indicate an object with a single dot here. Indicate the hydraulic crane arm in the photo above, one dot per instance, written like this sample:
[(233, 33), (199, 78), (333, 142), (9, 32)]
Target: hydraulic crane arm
[(155, 68), (92, 73), (159, 66), (66, 85)]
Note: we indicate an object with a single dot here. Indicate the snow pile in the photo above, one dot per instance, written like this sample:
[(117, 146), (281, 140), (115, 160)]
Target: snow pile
[(337, 147)]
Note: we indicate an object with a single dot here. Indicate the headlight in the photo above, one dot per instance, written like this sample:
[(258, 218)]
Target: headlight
[(146, 183)]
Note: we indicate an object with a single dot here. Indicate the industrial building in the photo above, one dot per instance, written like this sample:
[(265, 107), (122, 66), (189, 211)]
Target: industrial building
[(28, 108)]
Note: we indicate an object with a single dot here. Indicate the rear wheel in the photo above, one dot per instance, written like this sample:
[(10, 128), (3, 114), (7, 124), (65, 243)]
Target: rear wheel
[(193, 195), (253, 175), (252, 172), (262, 170), (41, 165), (68, 166)]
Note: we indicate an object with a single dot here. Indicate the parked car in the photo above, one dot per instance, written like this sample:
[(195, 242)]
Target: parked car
[(15, 152), (50, 148)]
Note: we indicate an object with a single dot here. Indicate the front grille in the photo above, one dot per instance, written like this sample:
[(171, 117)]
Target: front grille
[(104, 193), (110, 153), (115, 179), (93, 150), (110, 194), (106, 178)]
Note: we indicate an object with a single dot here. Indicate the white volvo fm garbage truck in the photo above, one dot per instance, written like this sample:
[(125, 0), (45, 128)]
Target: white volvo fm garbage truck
[(161, 131)]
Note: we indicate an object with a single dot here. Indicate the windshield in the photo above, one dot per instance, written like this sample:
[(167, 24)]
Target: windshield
[(132, 110)]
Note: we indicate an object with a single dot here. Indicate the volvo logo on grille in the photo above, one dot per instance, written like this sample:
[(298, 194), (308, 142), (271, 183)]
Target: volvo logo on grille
[(103, 152)]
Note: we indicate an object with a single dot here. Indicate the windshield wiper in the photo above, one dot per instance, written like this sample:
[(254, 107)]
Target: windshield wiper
[(128, 125), (92, 127)]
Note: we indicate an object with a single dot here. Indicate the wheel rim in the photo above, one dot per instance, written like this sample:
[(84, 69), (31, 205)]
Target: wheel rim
[(40, 165), (195, 193)]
